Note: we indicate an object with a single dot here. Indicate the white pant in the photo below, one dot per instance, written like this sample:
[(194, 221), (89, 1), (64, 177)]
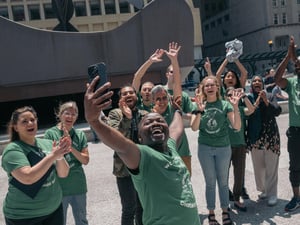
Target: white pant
[(265, 165)]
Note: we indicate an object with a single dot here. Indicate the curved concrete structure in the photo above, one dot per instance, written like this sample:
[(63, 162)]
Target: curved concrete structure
[(36, 63)]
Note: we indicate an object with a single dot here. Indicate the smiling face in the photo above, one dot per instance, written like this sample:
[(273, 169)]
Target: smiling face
[(129, 96), (210, 88), (69, 117), (26, 127), (153, 130), (160, 100)]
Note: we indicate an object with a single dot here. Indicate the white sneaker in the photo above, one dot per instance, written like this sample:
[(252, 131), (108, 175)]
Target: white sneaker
[(263, 195), (272, 201)]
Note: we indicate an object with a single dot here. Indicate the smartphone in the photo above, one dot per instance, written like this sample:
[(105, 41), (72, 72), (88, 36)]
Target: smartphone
[(98, 69)]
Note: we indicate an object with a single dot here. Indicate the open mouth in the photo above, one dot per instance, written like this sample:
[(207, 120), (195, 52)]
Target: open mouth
[(257, 87), (157, 133), (129, 100), (31, 129)]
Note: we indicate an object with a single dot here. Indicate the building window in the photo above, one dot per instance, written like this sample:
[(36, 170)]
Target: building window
[(213, 7), (49, 13), (282, 3), (283, 18), (298, 2), (274, 3), (298, 17), (4, 12), (18, 12), (219, 21), (80, 8), (95, 7), (275, 19), (206, 27), (226, 17), (124, 6), (213, 24), (34, 12), (110, 7)]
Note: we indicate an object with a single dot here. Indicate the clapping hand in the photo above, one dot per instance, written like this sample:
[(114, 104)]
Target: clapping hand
[(125, 109)]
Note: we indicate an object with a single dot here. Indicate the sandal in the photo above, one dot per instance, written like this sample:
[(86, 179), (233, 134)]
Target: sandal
[(226, 218), (212, 220)]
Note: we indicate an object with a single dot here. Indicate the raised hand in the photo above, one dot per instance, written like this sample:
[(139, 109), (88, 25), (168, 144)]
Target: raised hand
[(207, 66), (173, 50), (96, 101), (156, 57), (125, 109), (235, 97), (292, 49), (200, 103)]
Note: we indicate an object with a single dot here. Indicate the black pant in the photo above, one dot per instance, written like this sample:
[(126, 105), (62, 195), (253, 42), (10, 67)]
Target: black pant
[(131, 206), (238, 158), (293, 134), (55, 218)]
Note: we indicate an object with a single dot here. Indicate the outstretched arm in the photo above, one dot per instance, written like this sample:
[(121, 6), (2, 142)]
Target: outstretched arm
[(221, 70), (94, 102), (243, 71), (137, 79), (207, 67), (279, 80), (173, 56), (176, 127)]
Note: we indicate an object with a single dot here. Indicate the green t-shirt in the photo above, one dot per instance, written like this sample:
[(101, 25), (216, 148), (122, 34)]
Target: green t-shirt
[(75, 182), (237, 138), (18, 205), (186, 102), (213, 129), (183, 148), (293, 90), (140, 105), (164, 188)]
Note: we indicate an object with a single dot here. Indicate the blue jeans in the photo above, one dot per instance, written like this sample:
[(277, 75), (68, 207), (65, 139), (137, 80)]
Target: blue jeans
[(78, 204), (215, 165), (131, 206)]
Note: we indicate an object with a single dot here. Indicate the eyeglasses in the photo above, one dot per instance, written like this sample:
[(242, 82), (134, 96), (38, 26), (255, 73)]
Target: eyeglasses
[(65, 113), (164, 98), (209, 85)]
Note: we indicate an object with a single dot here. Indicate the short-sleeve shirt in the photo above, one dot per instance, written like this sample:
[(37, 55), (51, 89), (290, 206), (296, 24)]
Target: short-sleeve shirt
[(237, 137), (18, 205), (213, 129), (75, 183), (164, 188), (293, 90), (183, 148)]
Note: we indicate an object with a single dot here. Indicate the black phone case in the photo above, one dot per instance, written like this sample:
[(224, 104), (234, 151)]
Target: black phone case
[(98, 69)]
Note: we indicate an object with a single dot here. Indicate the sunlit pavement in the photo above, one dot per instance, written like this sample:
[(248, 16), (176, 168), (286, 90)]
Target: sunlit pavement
[(104, 204)]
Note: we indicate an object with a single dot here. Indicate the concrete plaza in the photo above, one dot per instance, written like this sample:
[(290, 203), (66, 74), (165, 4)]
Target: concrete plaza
[(104, 204)]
